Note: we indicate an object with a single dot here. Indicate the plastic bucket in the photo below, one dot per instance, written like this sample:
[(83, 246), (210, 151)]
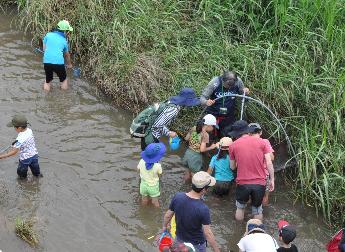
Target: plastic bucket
[(165, 242), (174, 143)]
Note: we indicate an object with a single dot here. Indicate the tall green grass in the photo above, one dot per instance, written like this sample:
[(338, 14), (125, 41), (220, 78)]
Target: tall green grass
[(290, 53)]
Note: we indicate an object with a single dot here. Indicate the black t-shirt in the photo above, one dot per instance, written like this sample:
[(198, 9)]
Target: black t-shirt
[(227, 101), (293, 248)]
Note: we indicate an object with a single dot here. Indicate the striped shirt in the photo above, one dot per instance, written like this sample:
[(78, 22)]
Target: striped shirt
[(159, 128)]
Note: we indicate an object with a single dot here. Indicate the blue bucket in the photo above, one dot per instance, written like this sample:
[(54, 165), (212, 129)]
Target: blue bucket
[(174, 143)]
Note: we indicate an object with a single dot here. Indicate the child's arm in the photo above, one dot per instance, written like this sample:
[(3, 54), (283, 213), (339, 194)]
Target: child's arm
[(67, 56), (233, 164), (203, 147), (205, 139), (44, 42), (211, 165), (12, 152), (189, 134), (159, 170), (187, 137)]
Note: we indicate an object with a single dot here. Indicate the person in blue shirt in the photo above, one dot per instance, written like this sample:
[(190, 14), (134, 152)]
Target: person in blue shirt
[(56, 54), (220, 165)]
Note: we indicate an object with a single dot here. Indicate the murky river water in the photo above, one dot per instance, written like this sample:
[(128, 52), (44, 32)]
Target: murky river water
[(88, 199)]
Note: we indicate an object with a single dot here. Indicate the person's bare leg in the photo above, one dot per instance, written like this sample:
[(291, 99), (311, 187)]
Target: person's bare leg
[(265, 200), (144, 200), (64, 84), (239, 215), (46, 86), (155, 201), (257, 212)]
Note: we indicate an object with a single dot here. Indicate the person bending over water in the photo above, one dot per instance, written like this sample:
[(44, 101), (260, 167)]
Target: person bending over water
[(25, 144), (198, 139), (56, 54)]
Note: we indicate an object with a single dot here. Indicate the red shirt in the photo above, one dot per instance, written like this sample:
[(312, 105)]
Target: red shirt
[(249, 154), (269, 146)]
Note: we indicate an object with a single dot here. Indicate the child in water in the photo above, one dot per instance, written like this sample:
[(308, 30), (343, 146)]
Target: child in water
[(25, 144), (286, 235), (220, 165), (150, 170), (198, 139)]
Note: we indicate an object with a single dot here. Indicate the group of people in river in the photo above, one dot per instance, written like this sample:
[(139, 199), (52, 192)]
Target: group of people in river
[(235, 151)]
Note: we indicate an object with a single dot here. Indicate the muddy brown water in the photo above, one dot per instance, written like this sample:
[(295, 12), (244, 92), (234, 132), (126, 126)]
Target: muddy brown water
[(88, 199)]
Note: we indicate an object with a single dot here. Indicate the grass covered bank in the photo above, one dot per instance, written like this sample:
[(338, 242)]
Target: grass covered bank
[(290, 53)]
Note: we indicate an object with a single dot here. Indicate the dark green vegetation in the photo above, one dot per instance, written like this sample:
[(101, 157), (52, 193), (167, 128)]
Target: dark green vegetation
[(290, 53)]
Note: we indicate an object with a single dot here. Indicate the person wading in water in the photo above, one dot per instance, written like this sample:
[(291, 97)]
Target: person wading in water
[(56, 54)]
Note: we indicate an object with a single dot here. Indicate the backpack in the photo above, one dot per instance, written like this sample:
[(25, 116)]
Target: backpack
[(143, 122)]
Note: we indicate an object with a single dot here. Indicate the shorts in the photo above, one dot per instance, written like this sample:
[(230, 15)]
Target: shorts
[(268, 183), (255, 192), (23, 165), (221, 188), (60, 70), (255, 210), (149, 191), (192, 160)]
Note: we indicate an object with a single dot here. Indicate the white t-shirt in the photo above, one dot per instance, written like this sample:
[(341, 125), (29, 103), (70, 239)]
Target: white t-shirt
[(258, 242), (26, 144)]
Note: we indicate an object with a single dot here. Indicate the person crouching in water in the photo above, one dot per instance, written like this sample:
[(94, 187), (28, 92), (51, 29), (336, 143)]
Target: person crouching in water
[(25, 144), (150, 170), (198, 139), (220, 165)]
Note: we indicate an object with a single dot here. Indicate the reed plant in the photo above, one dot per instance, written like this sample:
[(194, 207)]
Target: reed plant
[(290, 54)]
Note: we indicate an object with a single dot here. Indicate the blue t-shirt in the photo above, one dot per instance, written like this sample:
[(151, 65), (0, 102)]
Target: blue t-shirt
[(55, 46), (222, 169), (190, 215)]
